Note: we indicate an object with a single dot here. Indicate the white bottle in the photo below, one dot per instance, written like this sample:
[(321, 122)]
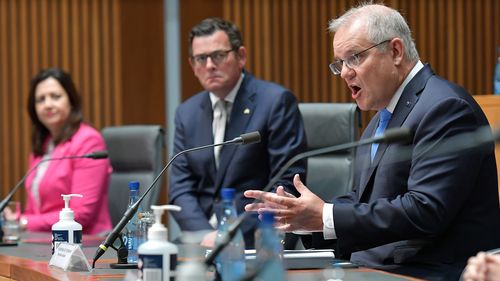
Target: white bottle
[(66, 229), (158, 257)]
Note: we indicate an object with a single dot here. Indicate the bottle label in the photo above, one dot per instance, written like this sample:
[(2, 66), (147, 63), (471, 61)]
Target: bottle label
[(151, 268), (59, 236)]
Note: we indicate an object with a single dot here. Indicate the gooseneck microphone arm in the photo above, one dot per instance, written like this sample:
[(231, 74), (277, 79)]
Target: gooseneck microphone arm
[(390, 136), (249, 138), (93, 155)]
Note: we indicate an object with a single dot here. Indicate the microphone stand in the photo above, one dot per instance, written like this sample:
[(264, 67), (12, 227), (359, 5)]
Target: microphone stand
[(93, 155), (391, 135), (248, 138)]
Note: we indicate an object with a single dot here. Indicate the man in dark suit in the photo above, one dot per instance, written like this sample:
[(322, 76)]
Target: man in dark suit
[(423, 215), (218, 57)]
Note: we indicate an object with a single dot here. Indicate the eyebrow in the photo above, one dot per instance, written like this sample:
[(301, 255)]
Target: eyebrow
[(353, 49)]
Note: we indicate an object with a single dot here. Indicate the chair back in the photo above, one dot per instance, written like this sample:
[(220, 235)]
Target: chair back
[(329, 124), (136, 154)]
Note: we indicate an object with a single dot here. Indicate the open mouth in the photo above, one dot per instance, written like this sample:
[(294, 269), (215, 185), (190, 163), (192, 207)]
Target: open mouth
[(354, 91)]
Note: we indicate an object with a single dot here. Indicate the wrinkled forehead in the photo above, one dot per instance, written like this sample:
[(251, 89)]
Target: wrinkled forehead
[(350, 38)]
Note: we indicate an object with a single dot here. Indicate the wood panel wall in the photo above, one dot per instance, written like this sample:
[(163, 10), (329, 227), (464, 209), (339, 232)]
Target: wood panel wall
[(116, 67)]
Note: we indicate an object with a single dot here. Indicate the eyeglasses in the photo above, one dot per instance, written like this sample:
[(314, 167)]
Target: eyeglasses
[(217, 57), (352, 61)]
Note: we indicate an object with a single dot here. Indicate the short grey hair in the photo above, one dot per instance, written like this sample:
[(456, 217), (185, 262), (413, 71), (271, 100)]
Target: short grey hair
[(382, 23)]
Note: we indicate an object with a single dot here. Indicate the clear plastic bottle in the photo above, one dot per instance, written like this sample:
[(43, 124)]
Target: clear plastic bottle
[(133, 235), (231, 261), (269, 250), (496, 77)]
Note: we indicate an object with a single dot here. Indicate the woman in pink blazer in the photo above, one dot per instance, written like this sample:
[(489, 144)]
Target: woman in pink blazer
[(58, 130)]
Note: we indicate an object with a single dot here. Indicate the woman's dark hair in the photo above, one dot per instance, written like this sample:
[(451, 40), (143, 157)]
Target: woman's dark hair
[(39, 131)]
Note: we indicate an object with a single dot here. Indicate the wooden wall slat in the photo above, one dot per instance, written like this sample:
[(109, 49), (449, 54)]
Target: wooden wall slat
[(23, 118), (84, 34), (4, 105), (116, 64), (14, 111), (295, 47), (285, 47), (106, 117), (313, 58), (266, 37), (96, 59)]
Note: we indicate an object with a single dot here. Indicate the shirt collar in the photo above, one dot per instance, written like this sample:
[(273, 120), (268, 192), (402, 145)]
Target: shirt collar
[(394, 101), (232, 94)]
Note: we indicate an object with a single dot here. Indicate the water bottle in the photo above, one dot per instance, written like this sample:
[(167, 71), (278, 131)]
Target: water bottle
[(496, 77), (231, 261), (133, 235), (269, 250)]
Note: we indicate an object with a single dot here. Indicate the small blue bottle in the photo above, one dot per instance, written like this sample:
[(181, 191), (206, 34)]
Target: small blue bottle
[(132, 233), (496, 77), (231, 261), (269, 250)]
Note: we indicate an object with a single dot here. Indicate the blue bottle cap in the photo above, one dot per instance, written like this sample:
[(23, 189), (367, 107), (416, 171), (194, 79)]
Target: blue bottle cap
[(133, 185), (227, 193), (268, 218)]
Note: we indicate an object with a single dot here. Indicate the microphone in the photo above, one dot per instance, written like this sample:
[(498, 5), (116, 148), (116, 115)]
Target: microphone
[(248, 138), (390, 136), (102, 154), (93, 155)]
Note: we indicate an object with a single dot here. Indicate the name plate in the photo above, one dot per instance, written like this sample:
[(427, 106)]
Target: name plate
[(70, 257)]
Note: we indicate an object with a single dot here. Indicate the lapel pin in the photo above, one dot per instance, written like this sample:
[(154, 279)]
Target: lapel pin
[(246, 111), (408, 103)]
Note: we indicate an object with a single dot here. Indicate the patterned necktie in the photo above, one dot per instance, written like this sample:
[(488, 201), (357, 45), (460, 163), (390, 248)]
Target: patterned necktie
[(219, 126), (385, 116)]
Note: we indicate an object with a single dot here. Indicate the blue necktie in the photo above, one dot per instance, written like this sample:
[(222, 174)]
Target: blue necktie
[(385, 116)]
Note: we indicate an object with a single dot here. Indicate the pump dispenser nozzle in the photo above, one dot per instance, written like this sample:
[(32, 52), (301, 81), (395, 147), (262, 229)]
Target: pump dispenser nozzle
[(66, 212), (158, 231)]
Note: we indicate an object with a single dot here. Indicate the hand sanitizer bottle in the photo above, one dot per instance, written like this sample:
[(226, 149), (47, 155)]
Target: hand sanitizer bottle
[(158, 257), (66, 229)]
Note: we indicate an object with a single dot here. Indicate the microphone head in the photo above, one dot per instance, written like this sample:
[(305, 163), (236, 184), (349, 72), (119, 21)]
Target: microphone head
[(97, 155), (249, 138), (402, 135)]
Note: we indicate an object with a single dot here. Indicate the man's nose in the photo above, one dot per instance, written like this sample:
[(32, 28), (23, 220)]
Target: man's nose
[(210, 63), (346, 72)]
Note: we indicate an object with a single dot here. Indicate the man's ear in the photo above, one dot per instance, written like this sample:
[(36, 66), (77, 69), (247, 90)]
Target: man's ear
[(242, 56), (398, 50)]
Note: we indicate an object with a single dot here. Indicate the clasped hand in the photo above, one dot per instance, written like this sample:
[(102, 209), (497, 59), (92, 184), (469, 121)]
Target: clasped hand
[(483, 267), (292, 213)]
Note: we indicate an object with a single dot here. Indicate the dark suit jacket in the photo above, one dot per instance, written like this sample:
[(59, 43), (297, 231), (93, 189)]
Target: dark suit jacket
[(194, 180), (429, 213)]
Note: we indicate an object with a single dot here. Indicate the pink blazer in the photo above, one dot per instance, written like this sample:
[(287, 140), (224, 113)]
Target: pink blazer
[(82, 176)]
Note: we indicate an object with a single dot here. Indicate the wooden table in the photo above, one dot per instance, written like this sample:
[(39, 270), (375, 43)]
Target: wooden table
[(29, 261)]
